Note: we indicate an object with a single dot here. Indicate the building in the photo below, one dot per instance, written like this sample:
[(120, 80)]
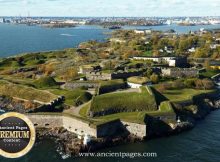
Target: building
[(192, 50), (215, 65), (117, 40), (154, 59), (176, 61), (139, 31), (2, 20), (98, 76), (137, 82), (171, 61), (169, 49), (89, 68), (180, 72), (147, 31)]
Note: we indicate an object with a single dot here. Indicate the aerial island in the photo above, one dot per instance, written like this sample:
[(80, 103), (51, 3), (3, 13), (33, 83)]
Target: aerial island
[(137, 85)]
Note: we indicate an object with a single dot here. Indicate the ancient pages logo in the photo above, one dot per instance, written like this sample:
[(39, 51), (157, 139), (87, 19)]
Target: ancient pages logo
[(17, 135)]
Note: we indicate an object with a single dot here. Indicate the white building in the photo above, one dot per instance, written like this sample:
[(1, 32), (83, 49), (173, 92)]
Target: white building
[(137, 82), (192, 49), (154, 59), (2, 20), (139, 31), (147, 31), (134, 85)]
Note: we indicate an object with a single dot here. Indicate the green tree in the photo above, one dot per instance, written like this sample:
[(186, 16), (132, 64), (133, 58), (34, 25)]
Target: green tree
[(154, 78)]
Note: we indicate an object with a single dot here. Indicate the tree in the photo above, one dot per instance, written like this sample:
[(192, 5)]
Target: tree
[(199, 84), (208, 84), (47, 69), (207, 64), (148, 73), (154, 78), (178, 84), (70, 74), (189, 83), (162, 88)]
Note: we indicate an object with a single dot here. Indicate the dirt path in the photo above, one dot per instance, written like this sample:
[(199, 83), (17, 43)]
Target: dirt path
[(75, 110)]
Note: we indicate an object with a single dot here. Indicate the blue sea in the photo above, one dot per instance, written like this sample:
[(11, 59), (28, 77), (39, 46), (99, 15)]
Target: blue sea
[(16, 39)]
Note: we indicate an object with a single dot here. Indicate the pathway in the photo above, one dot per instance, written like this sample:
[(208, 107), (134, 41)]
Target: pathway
[(75, 110)]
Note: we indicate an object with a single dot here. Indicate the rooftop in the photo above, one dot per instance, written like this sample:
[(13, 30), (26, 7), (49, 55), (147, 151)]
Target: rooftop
[(138, 80)]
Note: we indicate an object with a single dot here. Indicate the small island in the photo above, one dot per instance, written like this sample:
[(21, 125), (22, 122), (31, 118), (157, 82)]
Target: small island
[(137, 85)]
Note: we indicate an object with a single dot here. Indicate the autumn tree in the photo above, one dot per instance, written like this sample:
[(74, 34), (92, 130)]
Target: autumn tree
[(154, 78)]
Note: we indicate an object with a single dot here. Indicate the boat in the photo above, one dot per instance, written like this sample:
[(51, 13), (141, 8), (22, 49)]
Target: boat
[(114, 27)]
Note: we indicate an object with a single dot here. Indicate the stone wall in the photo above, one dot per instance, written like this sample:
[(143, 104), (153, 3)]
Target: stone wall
[(69, 123), (180, 72), (75, 85), (48, 121), (78, 127), (139, 130), (98, 76), (81, 128), (110, 129), (124, 75), (115, 75)]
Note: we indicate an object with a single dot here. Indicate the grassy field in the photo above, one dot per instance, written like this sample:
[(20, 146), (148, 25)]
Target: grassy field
[(133, 117), (74, 97), (24, 92), (209, 73), (83, 112), (124, 102), (45, 82), (111, 85), (166, 106), (148, 54), (183, 94)]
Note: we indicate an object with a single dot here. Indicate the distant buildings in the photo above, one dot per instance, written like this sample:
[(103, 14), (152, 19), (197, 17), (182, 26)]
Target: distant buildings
[(89, 68), (215, 65), (169, 49), (180, 72), (2, 20), (171, 61), (154, 59), (147, 31)]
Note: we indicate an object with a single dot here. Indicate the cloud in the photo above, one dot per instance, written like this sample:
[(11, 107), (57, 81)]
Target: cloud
[(111, 7)]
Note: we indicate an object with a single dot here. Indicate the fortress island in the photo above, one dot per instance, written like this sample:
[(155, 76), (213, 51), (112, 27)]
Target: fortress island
[(137, 85)]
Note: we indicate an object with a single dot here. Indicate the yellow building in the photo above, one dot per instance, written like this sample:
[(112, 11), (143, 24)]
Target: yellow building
[(215, 65)]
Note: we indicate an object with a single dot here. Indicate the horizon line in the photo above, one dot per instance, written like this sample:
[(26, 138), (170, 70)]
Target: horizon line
[(114, 16)]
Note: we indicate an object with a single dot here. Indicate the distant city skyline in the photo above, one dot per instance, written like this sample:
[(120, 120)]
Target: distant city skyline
[(110, 8)]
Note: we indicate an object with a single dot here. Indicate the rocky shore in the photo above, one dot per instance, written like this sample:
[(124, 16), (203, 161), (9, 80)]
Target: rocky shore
[(68, 144)]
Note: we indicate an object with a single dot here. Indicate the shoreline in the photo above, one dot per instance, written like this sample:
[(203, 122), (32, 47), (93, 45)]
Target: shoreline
[(68, 145)]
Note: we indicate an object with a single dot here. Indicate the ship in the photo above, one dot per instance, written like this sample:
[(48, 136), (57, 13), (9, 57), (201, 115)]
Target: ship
[(114, 27)]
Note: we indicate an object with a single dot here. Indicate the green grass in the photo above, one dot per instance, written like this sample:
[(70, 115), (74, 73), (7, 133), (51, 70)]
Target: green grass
[(183, 94), (124, 102), (45, 82), (148, 54), (25, 92), (209, 73), (18, 80), (111, 85), (133, 117), (84, 111), (166, 106), (75, 97)]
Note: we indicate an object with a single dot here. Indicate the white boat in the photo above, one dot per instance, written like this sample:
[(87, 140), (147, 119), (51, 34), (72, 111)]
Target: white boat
[(68, 35)]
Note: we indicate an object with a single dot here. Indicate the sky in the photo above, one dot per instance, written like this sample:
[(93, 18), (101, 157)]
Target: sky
[(116, 8)]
